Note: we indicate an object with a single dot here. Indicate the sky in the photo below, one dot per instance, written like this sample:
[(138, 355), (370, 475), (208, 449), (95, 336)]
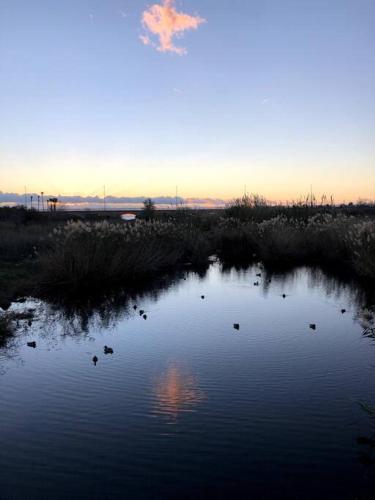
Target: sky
[(207, 95)]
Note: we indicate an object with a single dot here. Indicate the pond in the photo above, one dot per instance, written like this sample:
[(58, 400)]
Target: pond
[(187, 405)]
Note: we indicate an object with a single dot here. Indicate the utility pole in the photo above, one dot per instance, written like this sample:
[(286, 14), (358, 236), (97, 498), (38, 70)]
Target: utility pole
[(38, 202), (31, 202), (104, 201), (42, 193)]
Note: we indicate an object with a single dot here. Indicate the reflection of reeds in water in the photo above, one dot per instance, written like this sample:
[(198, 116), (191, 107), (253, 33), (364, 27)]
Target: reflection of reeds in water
[(176, 391), (366, 318)]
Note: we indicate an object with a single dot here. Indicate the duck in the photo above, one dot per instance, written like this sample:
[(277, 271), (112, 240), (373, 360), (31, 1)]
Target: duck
[(32, 344), (283, 296), (144, 316), (135, 307), (141, 312), (259, 275), (202, 297), (312, 326), (95, 360), (108, 350), (236, 326), (343, 311), (256, 283)]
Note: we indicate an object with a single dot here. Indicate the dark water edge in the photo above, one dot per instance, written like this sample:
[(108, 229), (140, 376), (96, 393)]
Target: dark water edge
[(187, 406)]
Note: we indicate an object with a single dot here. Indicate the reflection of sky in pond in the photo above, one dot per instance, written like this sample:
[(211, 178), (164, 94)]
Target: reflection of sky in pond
[(271, 407)]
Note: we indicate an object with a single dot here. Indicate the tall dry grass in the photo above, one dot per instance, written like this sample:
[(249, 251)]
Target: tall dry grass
[(341, 241), (87, 255)]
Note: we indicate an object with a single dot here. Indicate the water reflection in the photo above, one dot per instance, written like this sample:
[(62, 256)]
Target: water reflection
[(366, 318), (176, 391), (223, 396), (102, 312), (77, 317)]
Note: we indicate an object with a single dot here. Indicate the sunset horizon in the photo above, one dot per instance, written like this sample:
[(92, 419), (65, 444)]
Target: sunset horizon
[(142, 97)]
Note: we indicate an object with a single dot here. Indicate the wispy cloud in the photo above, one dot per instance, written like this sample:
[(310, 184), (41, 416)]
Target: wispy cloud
[(163, 21)]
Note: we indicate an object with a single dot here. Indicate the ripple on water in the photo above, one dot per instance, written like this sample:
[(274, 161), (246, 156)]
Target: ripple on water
[(186, 404)]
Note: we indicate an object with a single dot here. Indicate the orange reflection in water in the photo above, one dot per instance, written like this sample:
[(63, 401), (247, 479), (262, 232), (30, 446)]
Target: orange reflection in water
[(176, 391)]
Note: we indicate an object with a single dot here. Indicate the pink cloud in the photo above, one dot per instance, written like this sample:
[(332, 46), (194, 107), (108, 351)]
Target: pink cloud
[(163, 21)]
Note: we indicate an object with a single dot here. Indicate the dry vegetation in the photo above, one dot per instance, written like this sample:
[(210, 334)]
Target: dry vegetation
[(89, 255)]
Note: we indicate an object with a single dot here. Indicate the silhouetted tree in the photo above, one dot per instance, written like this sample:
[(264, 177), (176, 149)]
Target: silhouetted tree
[(148, 211)]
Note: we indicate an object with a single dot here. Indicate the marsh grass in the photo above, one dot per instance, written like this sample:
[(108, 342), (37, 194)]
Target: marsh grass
[(86, 255), (340, 241)]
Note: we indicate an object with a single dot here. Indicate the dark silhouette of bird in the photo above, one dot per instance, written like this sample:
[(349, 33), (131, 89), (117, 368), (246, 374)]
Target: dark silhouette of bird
[(256, 283), (32, 344), (141, 312), (29, 322), (236, 326), (343, 311), (95, 360), (135, 307), (108, 350), (202, 297), (283, 295), (259, 275), (312, 326), (145, 316)]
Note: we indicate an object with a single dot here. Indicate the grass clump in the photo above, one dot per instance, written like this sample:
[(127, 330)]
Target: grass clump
[(236, 241), (361, 241), (339, 241), (86, 255)]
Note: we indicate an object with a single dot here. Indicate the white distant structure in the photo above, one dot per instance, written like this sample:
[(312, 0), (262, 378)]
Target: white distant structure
[(128, 217)]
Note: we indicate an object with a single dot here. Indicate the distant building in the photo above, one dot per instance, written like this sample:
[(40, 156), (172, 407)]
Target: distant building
[(128, 217)]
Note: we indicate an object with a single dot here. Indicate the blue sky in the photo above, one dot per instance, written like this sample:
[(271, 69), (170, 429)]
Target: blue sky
[(276, 95)]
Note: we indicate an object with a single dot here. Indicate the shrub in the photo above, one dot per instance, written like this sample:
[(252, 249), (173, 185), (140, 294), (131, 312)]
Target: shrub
[(253, 207), (148, 211)]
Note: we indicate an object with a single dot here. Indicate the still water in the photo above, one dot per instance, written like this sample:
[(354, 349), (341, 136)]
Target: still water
[(187, 406)]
